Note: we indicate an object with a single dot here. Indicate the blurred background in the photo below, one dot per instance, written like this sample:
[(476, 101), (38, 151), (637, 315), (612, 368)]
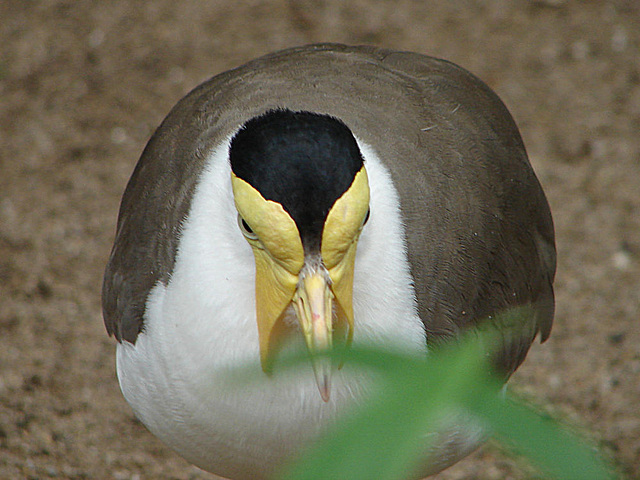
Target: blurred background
[(84, 83)]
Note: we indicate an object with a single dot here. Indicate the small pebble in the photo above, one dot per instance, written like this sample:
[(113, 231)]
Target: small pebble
[(621, 260), (118, 135)]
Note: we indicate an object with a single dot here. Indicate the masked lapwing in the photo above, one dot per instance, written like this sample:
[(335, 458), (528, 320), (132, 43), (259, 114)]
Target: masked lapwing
[(318, 196)]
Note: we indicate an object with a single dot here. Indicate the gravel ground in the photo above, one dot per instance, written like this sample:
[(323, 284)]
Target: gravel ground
[(84, 83)]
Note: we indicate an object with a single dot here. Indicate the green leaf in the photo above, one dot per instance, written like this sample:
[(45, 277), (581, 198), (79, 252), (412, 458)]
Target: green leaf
[(557, 452), (387, 438)]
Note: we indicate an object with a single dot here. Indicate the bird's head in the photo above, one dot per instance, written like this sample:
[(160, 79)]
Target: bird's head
[(302, 195)]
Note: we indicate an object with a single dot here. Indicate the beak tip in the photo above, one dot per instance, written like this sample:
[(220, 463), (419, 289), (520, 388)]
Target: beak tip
[(324, 386)]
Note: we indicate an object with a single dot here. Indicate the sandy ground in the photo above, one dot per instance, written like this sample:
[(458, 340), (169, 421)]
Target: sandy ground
[(84, 83)]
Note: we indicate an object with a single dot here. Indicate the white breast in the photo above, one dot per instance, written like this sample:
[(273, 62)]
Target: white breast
[(181, 377)]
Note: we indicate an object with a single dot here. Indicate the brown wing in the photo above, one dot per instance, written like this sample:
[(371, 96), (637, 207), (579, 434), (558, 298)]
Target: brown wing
[(480, 232), (155, 202)]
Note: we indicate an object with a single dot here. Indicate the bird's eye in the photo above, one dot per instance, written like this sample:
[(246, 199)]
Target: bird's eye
[(366, 218), (246, 229)]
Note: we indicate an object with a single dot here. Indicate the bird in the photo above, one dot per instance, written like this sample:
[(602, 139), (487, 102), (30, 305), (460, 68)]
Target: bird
[(316, 198)]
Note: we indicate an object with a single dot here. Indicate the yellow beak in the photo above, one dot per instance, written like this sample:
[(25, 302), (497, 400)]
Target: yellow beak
[(284, 276), (313, 304), (312, 294)]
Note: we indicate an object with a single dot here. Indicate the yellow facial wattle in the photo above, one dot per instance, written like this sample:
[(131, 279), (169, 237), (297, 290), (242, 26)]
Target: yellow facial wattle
[(339, 242), (282, 278), (278, 254)]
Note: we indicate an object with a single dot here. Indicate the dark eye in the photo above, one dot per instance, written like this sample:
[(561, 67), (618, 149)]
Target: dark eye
[(366, 218), (246, 229)]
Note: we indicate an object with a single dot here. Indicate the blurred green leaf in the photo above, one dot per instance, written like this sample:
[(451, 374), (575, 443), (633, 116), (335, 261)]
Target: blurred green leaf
[(387, 438), (554, 450)]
